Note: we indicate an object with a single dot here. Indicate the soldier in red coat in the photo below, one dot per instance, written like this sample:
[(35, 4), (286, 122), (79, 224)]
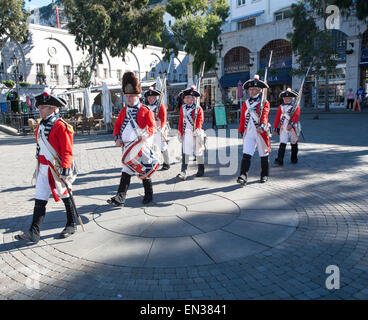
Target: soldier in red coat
[(54, 155), (190, 132), (288, 126), (254, 129), (160, 137), (134, 122)]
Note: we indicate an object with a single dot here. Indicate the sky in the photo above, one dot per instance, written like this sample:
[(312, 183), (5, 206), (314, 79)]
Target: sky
[(36, 3)]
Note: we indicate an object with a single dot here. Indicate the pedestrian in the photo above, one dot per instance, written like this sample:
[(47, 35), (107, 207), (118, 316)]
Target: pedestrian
[(135, 123), (190, 132), (360, 98), (288, 126), (55, 166), (350, 99), (160, 113), (254, 128)]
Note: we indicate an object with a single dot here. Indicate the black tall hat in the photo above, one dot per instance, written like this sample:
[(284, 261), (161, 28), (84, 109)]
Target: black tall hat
[(152, 92), (45, 98), (288, 93), (190, 92), (255, 83)]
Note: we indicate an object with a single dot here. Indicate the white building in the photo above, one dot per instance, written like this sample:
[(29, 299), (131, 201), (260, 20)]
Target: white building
[(51, 54), (255, 27)]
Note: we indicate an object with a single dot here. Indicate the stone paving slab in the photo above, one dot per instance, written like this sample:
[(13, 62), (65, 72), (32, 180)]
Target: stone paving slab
[(176, 252), (281, 217), (223, 246)]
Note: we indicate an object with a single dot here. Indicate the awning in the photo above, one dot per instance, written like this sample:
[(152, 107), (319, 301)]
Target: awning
[(248, 16), (232, 79), (282, 76)]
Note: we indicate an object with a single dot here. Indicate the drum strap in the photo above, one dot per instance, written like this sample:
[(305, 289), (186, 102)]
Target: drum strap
[(131, 117), (188, 116), (47, 129)]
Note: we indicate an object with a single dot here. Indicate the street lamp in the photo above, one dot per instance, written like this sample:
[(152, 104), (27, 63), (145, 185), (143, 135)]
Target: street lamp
[(70, 77)]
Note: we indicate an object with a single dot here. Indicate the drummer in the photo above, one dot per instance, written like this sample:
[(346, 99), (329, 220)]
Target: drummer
[(134, 122), (160, 137)]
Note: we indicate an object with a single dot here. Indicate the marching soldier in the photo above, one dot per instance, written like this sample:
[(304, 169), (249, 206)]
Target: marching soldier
[(55, 165), (190, 132), (287, 124), (134, 122), (254, 129), (159, 138)]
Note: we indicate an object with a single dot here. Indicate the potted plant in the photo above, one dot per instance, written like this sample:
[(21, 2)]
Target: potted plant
[(41, 77), (8, 83)]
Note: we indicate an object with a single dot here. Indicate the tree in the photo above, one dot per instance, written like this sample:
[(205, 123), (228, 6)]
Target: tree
[(13, 20), (113, 25), (312, 45), (357, 7), (197, 28)]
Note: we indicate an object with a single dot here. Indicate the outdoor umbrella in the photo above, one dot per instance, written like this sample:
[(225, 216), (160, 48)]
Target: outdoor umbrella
[(87, 104), (106, 103)]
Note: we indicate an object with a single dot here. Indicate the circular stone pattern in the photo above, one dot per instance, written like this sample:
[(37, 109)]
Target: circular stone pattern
[(190, 231)]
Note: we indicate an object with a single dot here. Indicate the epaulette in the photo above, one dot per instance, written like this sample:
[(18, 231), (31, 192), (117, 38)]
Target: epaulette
[(68, 126)]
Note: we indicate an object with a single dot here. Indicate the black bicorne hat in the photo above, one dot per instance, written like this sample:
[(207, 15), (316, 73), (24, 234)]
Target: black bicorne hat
[(45, 98), (255, 83)]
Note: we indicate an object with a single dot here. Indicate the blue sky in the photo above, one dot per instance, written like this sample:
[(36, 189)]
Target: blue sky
[(36, 3)]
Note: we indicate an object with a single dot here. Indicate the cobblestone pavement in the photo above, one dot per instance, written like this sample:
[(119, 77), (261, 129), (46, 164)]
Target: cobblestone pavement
[(204, 238)]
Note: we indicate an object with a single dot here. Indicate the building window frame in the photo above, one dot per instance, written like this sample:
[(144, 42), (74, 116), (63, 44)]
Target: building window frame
[(53, 72), (246, 23), (240, 3)]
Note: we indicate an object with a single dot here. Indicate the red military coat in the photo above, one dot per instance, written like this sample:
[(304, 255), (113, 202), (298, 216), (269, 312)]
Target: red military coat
[(263, 121), (61, 139), (145, 119), (199, 121), (294, 119)]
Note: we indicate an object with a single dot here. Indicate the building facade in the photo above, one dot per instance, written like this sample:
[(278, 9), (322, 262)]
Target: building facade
[(255, 27), (50, 58)]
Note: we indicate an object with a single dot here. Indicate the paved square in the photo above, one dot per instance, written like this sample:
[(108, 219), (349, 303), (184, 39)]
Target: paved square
[(204, 238)]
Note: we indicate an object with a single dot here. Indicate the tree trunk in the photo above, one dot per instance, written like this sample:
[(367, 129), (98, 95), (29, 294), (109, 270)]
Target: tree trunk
[(327, 97), (316, 116), (221, 89)]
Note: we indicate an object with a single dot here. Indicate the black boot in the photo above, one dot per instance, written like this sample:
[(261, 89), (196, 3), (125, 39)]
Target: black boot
[(200, 172), (294, 153), (184, 166), (33, 235), (71, 225), (148, 191), (265, 169), (119, 199), (166, 164), (280, 156), (244, 168)]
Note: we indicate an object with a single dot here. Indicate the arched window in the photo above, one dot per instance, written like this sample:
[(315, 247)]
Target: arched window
[(237, 60), (281, 54)]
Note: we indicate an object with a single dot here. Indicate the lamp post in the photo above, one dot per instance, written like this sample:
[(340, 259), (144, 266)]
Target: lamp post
[(14, 61)]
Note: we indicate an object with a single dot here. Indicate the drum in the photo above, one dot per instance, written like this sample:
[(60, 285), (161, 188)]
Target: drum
[(141, 159)]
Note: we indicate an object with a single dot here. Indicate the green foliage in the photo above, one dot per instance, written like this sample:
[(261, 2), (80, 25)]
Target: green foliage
[(309, 43), (24, 84), (8, 83), (113, 25), (348, 7), (13, 20), (83, 71), (197, 29)]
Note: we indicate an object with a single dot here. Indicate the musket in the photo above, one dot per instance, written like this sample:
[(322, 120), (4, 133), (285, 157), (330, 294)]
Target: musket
[(70, 195), (163, 92), (299, 97), (265, 90), (201, 73)]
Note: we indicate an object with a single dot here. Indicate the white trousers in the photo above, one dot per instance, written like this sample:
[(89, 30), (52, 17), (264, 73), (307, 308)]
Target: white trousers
[(286, 136), (43, 189), (253, 140)]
